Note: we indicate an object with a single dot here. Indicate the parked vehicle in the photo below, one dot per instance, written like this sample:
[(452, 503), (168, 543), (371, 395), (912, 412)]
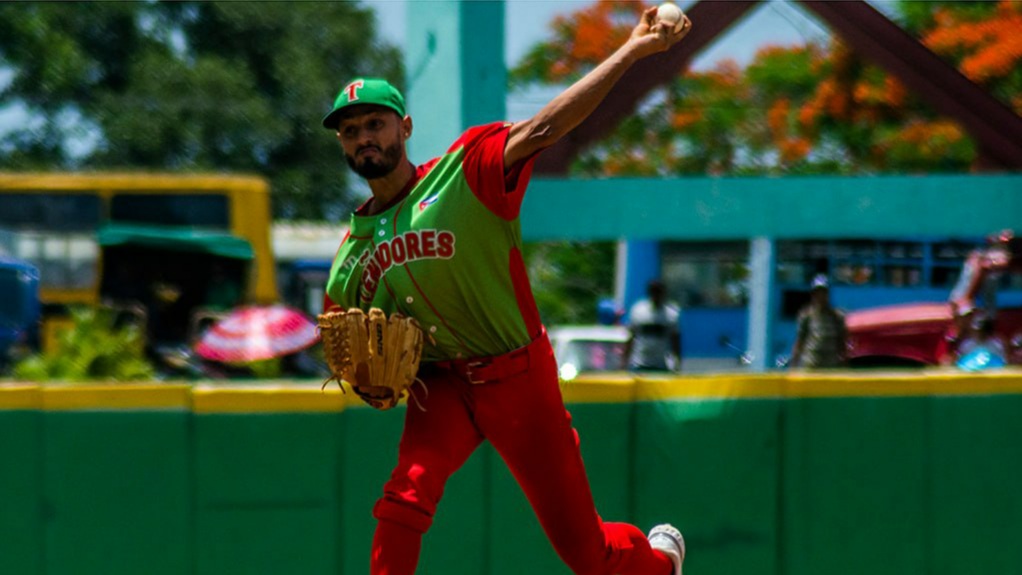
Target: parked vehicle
[(588, 348), (19, 306), (100, 236), (917, 334)]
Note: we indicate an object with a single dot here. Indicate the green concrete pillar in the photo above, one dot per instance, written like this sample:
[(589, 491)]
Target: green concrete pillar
[(456, 76)]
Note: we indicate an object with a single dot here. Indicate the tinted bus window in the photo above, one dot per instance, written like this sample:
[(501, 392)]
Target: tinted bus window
[(57, 212), (201, 210), (65, 260)]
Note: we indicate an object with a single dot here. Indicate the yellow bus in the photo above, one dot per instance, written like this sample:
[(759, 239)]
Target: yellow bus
[(155, 239)]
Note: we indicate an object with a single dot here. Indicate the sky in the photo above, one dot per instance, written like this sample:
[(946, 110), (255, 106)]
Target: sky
[(775, 22)]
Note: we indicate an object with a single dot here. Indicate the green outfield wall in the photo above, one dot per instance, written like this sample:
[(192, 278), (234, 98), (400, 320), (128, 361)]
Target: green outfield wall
[(782, 474)]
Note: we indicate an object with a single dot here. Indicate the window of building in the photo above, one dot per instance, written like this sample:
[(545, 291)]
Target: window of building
[(706, 274)]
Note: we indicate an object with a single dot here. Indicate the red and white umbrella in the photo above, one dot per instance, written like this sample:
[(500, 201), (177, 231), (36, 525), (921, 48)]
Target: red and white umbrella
[(253, 333)]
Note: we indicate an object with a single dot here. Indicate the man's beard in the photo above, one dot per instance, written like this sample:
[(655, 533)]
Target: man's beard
[(371, 169)]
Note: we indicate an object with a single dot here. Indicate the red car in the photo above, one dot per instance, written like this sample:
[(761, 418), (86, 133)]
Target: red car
[(924, 333)]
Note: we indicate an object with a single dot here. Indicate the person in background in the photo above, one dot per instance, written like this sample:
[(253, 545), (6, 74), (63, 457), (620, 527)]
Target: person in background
[(222, 292), (959, 330), (982, 347), (821, 335), (120, 287), (655, 340)]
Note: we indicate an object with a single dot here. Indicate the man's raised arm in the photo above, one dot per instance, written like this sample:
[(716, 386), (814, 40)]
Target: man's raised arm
[(570, 107)]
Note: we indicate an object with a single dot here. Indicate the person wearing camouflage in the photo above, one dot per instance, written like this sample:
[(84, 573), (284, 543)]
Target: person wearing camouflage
[(821, 334)]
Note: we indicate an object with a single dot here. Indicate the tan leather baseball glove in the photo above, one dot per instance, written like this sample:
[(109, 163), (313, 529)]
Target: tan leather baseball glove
[(378, 356)]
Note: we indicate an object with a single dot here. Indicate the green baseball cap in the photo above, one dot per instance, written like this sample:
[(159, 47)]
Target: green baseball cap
[(375, 91)]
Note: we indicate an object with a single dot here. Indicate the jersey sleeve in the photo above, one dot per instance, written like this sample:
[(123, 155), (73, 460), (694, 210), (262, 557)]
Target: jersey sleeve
[(499, 189)]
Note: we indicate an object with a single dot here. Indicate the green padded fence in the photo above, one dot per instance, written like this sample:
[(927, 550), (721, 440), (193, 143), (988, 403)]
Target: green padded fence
[(785, 474)]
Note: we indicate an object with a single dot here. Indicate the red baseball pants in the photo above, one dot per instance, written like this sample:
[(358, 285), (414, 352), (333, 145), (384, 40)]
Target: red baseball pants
[(524, 418)]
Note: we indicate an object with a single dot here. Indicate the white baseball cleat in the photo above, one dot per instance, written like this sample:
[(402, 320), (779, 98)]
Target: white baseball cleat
[(668, 540)]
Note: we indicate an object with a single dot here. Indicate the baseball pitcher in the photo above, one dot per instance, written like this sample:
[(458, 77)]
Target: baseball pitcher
[(440, 243)]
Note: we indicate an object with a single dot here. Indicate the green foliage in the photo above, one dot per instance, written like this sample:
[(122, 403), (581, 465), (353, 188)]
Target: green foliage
[(266, 368), (916, 16), (785, 73), (190, 86), (570, 278), (95, 348)]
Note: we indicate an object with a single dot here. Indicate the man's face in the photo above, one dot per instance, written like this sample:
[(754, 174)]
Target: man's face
[(372, 139)]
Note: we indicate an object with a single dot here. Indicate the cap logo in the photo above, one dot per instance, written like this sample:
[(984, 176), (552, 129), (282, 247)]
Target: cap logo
[(365, 91), (353, 88)]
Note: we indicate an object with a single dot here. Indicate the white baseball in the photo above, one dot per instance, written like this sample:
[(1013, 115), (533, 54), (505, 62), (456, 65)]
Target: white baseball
[(670, 14)]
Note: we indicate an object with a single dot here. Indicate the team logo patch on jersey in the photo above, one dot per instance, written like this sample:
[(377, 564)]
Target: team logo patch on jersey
[(428, 202)]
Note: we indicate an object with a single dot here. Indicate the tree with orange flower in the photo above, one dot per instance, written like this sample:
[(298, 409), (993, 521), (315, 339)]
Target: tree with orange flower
[(814, 108)]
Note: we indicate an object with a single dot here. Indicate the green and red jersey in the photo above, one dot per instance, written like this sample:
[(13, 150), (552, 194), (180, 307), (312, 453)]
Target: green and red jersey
[(449, 253)]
